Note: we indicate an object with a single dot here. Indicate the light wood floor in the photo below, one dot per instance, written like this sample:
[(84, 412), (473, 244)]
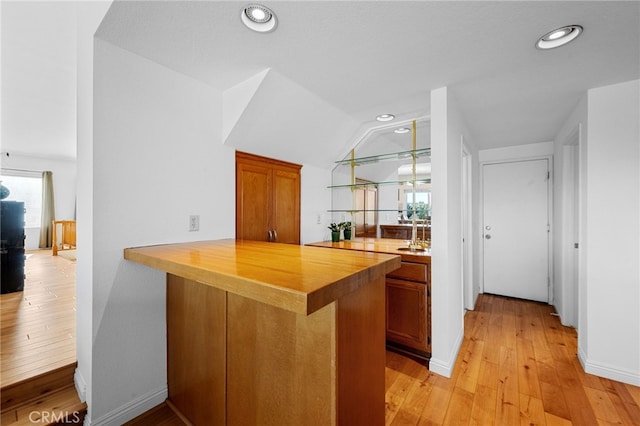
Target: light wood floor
[(38, 325), (517, 363), (517, 366)]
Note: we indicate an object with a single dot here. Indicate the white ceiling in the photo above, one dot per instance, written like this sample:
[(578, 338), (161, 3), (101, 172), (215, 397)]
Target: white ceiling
[(38, 83), (360, 59)]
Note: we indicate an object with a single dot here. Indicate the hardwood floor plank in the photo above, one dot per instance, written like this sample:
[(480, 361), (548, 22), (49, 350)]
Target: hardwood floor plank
[(460, 405), (483, 410), (37, 331), (531, 410), (470, 365), (397, 393), (435, 407), (603, 407), (553, 401), (413, 406), (623, 400), (527, 369), (556, 421), (508, 401), (488, 375)]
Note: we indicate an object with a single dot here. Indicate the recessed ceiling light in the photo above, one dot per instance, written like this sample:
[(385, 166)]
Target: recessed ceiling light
[(259, 18), (559, 37), (385, 117), (402, 130)]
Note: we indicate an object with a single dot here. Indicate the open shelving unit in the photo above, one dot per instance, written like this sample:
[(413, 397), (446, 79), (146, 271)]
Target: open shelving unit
[(369, 174)]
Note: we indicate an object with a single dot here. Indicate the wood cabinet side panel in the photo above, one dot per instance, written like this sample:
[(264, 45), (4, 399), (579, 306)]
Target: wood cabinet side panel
[(361, 355), (281, 365), (196, 345)]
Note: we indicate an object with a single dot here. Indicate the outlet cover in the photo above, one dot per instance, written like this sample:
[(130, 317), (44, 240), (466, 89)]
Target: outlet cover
[(194, 222)]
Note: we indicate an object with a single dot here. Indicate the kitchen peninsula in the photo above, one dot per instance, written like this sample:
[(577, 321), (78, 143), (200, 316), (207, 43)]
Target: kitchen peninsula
[(254, 328), (407, 294)]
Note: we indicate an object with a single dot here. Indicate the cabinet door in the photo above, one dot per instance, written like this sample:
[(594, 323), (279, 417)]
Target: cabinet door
[(267, 199), (253, 201), (406, 317), (286, 206)]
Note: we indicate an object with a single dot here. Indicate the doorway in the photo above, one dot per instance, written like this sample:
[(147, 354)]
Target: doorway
[(366, 214), (516, 229)]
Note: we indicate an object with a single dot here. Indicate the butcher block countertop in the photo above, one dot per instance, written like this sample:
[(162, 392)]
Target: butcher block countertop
[(379, 245), (299, 279)]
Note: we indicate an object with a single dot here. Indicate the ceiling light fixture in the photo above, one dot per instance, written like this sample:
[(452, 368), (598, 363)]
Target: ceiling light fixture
[(259, 18), (402, 130), (385, 117), (559, 37)]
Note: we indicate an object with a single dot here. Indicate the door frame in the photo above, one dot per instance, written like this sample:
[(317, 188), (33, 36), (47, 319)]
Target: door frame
[(549, 158), (571, 219), (467, 227)]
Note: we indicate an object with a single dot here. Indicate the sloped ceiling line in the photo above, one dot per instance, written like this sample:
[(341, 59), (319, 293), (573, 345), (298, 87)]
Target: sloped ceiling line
[(236, 99), (274, 116)]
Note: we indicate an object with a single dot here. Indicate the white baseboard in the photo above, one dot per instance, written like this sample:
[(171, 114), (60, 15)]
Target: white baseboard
[(608, 371), (81, 385), (131, 409), (445, 368), (613, 373)]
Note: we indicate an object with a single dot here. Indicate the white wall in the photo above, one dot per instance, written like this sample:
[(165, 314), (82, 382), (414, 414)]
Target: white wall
[(89, 16), (446, 235), (315, 201), (157, 158), (64, 186), (516, 152), (613, 241)]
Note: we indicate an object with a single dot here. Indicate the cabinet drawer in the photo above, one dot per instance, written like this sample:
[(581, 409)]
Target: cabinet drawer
[(411, 271)]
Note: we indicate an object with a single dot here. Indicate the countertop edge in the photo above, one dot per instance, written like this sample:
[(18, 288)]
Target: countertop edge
[(285, 298)]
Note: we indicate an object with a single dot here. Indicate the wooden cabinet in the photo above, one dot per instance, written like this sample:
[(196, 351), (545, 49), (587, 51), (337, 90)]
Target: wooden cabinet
[(246, 346), (407, 295), (408, 309), (403, 232), (267, 199)]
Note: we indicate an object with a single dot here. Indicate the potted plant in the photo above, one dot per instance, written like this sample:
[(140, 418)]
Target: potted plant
[(335, 232), (346, 228)]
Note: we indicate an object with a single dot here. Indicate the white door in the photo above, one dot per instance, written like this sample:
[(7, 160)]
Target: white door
[(515, 229)]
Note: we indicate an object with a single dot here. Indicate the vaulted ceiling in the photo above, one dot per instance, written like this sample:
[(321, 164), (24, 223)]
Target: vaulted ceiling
[(330, 67)]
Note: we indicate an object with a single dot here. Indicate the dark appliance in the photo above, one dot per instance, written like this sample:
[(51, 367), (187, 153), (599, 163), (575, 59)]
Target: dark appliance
[(12, 238)]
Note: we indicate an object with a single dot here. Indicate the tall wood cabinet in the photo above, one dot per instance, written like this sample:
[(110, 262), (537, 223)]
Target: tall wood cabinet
[(267, 199)]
